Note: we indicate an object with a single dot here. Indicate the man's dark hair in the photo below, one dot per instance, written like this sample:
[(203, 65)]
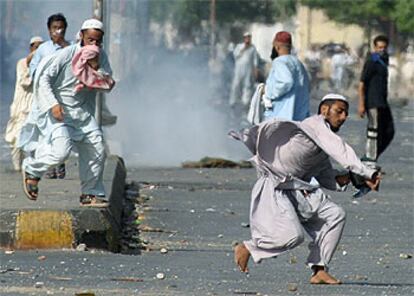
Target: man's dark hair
[(274, 53), (380, 38), (58, 17)]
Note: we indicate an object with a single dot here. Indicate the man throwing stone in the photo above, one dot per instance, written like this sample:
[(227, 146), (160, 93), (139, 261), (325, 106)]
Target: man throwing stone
[(286, 201)]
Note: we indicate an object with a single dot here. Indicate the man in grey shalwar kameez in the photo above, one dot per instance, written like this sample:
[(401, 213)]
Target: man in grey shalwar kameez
[(63, 118), (286, 200)]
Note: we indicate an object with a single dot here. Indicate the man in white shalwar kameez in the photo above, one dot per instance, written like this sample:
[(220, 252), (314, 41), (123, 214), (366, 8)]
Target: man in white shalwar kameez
[(285, 203), (339, 63), (22, 103), (64, 118), (245, 70)]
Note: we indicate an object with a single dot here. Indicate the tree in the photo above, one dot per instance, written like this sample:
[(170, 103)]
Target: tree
[(188, 16), (392, 17)]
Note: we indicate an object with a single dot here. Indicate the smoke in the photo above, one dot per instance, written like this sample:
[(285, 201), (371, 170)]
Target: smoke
[(170, 112)]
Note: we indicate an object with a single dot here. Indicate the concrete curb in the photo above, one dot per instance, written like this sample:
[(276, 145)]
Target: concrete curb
[(44, 228)]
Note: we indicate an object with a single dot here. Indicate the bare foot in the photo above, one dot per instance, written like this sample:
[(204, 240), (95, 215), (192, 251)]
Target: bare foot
[(241, 257), (324, 278)]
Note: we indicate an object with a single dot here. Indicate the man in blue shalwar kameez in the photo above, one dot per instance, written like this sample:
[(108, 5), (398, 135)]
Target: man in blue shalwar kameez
[(287, 85), (62, 119)]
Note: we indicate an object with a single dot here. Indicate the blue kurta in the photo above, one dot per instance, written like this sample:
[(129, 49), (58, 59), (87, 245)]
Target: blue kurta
[(287, 86), (55, 84), (45, 49)]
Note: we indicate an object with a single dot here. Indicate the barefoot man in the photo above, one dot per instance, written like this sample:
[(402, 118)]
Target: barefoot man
[(286, 199)]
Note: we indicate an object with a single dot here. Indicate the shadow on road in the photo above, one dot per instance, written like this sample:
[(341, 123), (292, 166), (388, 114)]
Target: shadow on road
[(378, 284)]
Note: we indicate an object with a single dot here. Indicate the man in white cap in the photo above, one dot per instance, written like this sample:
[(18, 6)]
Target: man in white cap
[(22, 103), (245, 71), (285, 202), (65, 118)]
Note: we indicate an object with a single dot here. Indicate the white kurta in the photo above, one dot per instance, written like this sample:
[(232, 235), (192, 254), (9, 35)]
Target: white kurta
[(284, 202), (19, 109), (54, 84), (246, 60), (339, 63)]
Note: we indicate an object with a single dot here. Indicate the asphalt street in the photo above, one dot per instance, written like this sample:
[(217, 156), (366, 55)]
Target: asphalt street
[(192, 217)]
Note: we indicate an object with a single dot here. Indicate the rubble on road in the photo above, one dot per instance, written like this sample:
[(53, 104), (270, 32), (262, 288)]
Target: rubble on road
[(215, 162)]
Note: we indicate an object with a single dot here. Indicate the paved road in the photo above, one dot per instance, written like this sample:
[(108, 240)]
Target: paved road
[(199, 213)]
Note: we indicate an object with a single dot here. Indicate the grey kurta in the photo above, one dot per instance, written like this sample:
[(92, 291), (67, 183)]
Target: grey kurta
[(287, 156)]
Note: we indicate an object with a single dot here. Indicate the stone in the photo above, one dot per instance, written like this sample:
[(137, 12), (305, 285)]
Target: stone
[(406, 256), (292, 287), (39, 285), (293, 260), (163, 251), (160, 276), (81, 248)]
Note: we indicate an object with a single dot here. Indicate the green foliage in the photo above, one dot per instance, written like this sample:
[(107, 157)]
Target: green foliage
[(187, 15), (377, 13), (404, 16)]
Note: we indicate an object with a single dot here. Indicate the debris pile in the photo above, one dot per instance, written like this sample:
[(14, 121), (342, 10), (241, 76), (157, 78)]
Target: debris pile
[(130, 238), (214, 162)]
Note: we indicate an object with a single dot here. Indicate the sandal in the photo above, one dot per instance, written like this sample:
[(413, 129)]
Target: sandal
[(61, 171), (90, 200), (30, 189), (51, 174)]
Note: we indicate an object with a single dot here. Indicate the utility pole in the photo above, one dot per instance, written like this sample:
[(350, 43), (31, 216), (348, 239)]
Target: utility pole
[(98, 13), (213, 28)]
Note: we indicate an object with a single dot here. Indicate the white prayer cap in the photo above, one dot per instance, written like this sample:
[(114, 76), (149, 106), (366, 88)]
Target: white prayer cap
[(92, 24), (247, 34), (332, 97), (36, 39)]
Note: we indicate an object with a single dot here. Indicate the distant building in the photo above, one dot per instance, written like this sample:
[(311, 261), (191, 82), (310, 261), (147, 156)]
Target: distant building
[(313, 26)]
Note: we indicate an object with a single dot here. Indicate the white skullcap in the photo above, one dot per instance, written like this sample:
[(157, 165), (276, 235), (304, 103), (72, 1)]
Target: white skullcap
[(36, 39), (246, 34), (334, 97), (92, 24)]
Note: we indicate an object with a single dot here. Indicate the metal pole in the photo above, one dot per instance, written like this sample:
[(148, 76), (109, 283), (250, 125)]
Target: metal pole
[(213, 28), (98, 13)]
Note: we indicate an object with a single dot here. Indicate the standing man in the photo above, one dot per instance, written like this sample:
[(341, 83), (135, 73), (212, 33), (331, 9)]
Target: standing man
[(22, 103), (373, 91), (56, 25), (285, 203), (65, 118), (245, 71), (340, 74), (288, 83)]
